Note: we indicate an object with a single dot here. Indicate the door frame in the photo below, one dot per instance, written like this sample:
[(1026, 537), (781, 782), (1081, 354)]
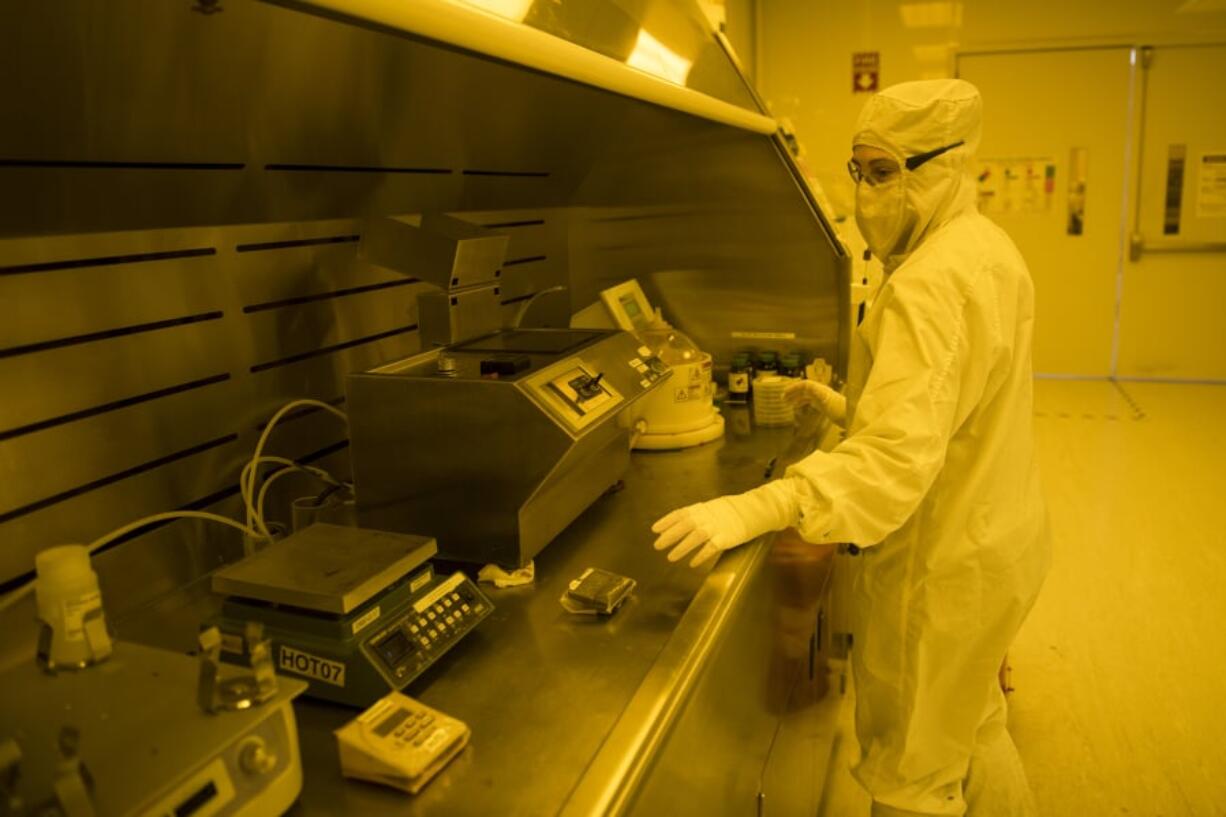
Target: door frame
[(1130, 239), (1128, 171)]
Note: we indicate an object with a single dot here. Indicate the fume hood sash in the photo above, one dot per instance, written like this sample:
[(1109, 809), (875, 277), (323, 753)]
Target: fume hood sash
[(473, 29)]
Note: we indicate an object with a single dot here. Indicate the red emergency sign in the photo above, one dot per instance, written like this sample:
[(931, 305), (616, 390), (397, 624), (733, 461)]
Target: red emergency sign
[(865, 69)]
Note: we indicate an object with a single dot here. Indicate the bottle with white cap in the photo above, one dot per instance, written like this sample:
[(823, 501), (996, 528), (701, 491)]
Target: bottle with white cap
[(74, 632)]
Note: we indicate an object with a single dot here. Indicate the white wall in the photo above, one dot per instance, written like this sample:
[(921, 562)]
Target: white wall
[(741, 26), (804, 70), (806, 49)]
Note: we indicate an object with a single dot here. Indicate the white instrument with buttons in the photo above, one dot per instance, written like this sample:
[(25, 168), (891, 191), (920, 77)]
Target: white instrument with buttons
[(399, 742)]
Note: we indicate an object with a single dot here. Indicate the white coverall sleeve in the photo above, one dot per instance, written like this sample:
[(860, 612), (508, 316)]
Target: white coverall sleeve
[(927, 363)]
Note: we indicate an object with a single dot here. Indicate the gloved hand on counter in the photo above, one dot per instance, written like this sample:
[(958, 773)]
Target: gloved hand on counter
[(826, 399), (723, 523)]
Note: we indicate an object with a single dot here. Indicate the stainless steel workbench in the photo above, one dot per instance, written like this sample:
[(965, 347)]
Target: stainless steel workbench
[(579, 715)]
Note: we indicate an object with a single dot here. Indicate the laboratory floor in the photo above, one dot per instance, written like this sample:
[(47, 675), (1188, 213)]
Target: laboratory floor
[(1120, 671)]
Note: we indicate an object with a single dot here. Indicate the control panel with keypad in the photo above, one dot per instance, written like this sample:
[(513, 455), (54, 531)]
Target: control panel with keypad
[(384, 643), (427, 629), (399, 742), (649, 367), (579, 393)]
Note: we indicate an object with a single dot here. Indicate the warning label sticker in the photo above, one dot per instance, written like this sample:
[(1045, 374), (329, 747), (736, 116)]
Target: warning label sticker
[(1211, 186), (369, 617), (312, 666)]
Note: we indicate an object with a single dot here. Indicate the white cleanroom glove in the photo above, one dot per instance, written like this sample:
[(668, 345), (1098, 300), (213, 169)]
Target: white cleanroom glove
[(812, 393), (723, 523)]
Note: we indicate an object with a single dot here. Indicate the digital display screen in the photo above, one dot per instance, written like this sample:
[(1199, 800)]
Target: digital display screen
[(634, 310), (393, 720), (393, 648)]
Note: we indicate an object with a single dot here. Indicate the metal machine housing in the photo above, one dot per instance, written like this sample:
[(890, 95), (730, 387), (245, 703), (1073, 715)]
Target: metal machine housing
[(493, 467)]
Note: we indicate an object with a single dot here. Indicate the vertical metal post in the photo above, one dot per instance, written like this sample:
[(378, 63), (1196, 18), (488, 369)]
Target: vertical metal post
[(1130, 239)]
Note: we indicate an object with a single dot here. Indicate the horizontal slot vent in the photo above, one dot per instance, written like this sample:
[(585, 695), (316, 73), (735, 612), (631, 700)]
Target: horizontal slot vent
[(435, 171), (75, 340), (68, 163), (327, 350), (325, 296), (511, 262), (42, 425), (113, 478), (306, 411), (507, 225), (106, 261), (16, 582), (198, 505), (326, 451), (516, 300), (300, 242), (511, 174), (195, 505)]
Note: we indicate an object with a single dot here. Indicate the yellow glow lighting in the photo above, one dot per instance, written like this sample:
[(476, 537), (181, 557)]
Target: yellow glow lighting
[(655, 58), (515, 10), (931, 15), (932, 53)]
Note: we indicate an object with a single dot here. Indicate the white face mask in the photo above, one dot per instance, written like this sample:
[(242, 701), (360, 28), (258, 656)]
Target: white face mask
[(880, 214)]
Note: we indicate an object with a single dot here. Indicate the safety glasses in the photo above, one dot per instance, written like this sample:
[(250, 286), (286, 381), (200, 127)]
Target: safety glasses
[(858, 174)]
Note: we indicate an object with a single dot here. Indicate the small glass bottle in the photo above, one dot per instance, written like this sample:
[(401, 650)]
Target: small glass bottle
[(739, 377), (768, 364), (790, 365)]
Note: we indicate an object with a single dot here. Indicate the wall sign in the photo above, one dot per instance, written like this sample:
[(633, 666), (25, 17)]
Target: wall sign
[(1211, 185), (1174, 189), (1016, 186), (865, 70), (1078, 170)]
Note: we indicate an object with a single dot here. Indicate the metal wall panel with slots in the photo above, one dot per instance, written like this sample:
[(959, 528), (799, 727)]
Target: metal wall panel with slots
[(139, 368), (181, 197)]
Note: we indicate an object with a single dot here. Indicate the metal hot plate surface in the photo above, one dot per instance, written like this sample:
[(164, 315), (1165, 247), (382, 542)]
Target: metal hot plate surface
[(327, 568)]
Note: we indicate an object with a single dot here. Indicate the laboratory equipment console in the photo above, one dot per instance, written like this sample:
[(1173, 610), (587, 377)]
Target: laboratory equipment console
[(494, 445), (422, 633), (128, 737), (353, 612)]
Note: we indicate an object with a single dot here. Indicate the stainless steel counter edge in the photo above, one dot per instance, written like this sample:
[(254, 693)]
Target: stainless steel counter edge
[(610, 781)]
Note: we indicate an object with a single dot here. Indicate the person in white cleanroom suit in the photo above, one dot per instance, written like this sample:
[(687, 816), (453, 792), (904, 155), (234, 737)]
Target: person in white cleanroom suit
[(936, 479)]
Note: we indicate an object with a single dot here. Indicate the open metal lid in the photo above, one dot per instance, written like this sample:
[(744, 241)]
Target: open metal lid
[(327, 568)]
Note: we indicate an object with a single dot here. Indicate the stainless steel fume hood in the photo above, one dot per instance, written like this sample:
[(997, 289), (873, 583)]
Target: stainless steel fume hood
[(183, 189), (183, 186)]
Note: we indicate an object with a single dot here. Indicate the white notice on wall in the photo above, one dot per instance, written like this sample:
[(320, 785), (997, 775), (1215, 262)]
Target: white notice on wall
[(1211, 185), (1016, 185)]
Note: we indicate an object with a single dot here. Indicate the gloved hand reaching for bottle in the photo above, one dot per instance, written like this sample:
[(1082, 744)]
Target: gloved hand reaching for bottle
[(819, 395), (723, 523)]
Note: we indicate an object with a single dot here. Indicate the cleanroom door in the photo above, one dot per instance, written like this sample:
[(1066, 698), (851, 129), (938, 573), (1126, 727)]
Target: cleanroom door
[(1171, 321), (1052, 172)]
